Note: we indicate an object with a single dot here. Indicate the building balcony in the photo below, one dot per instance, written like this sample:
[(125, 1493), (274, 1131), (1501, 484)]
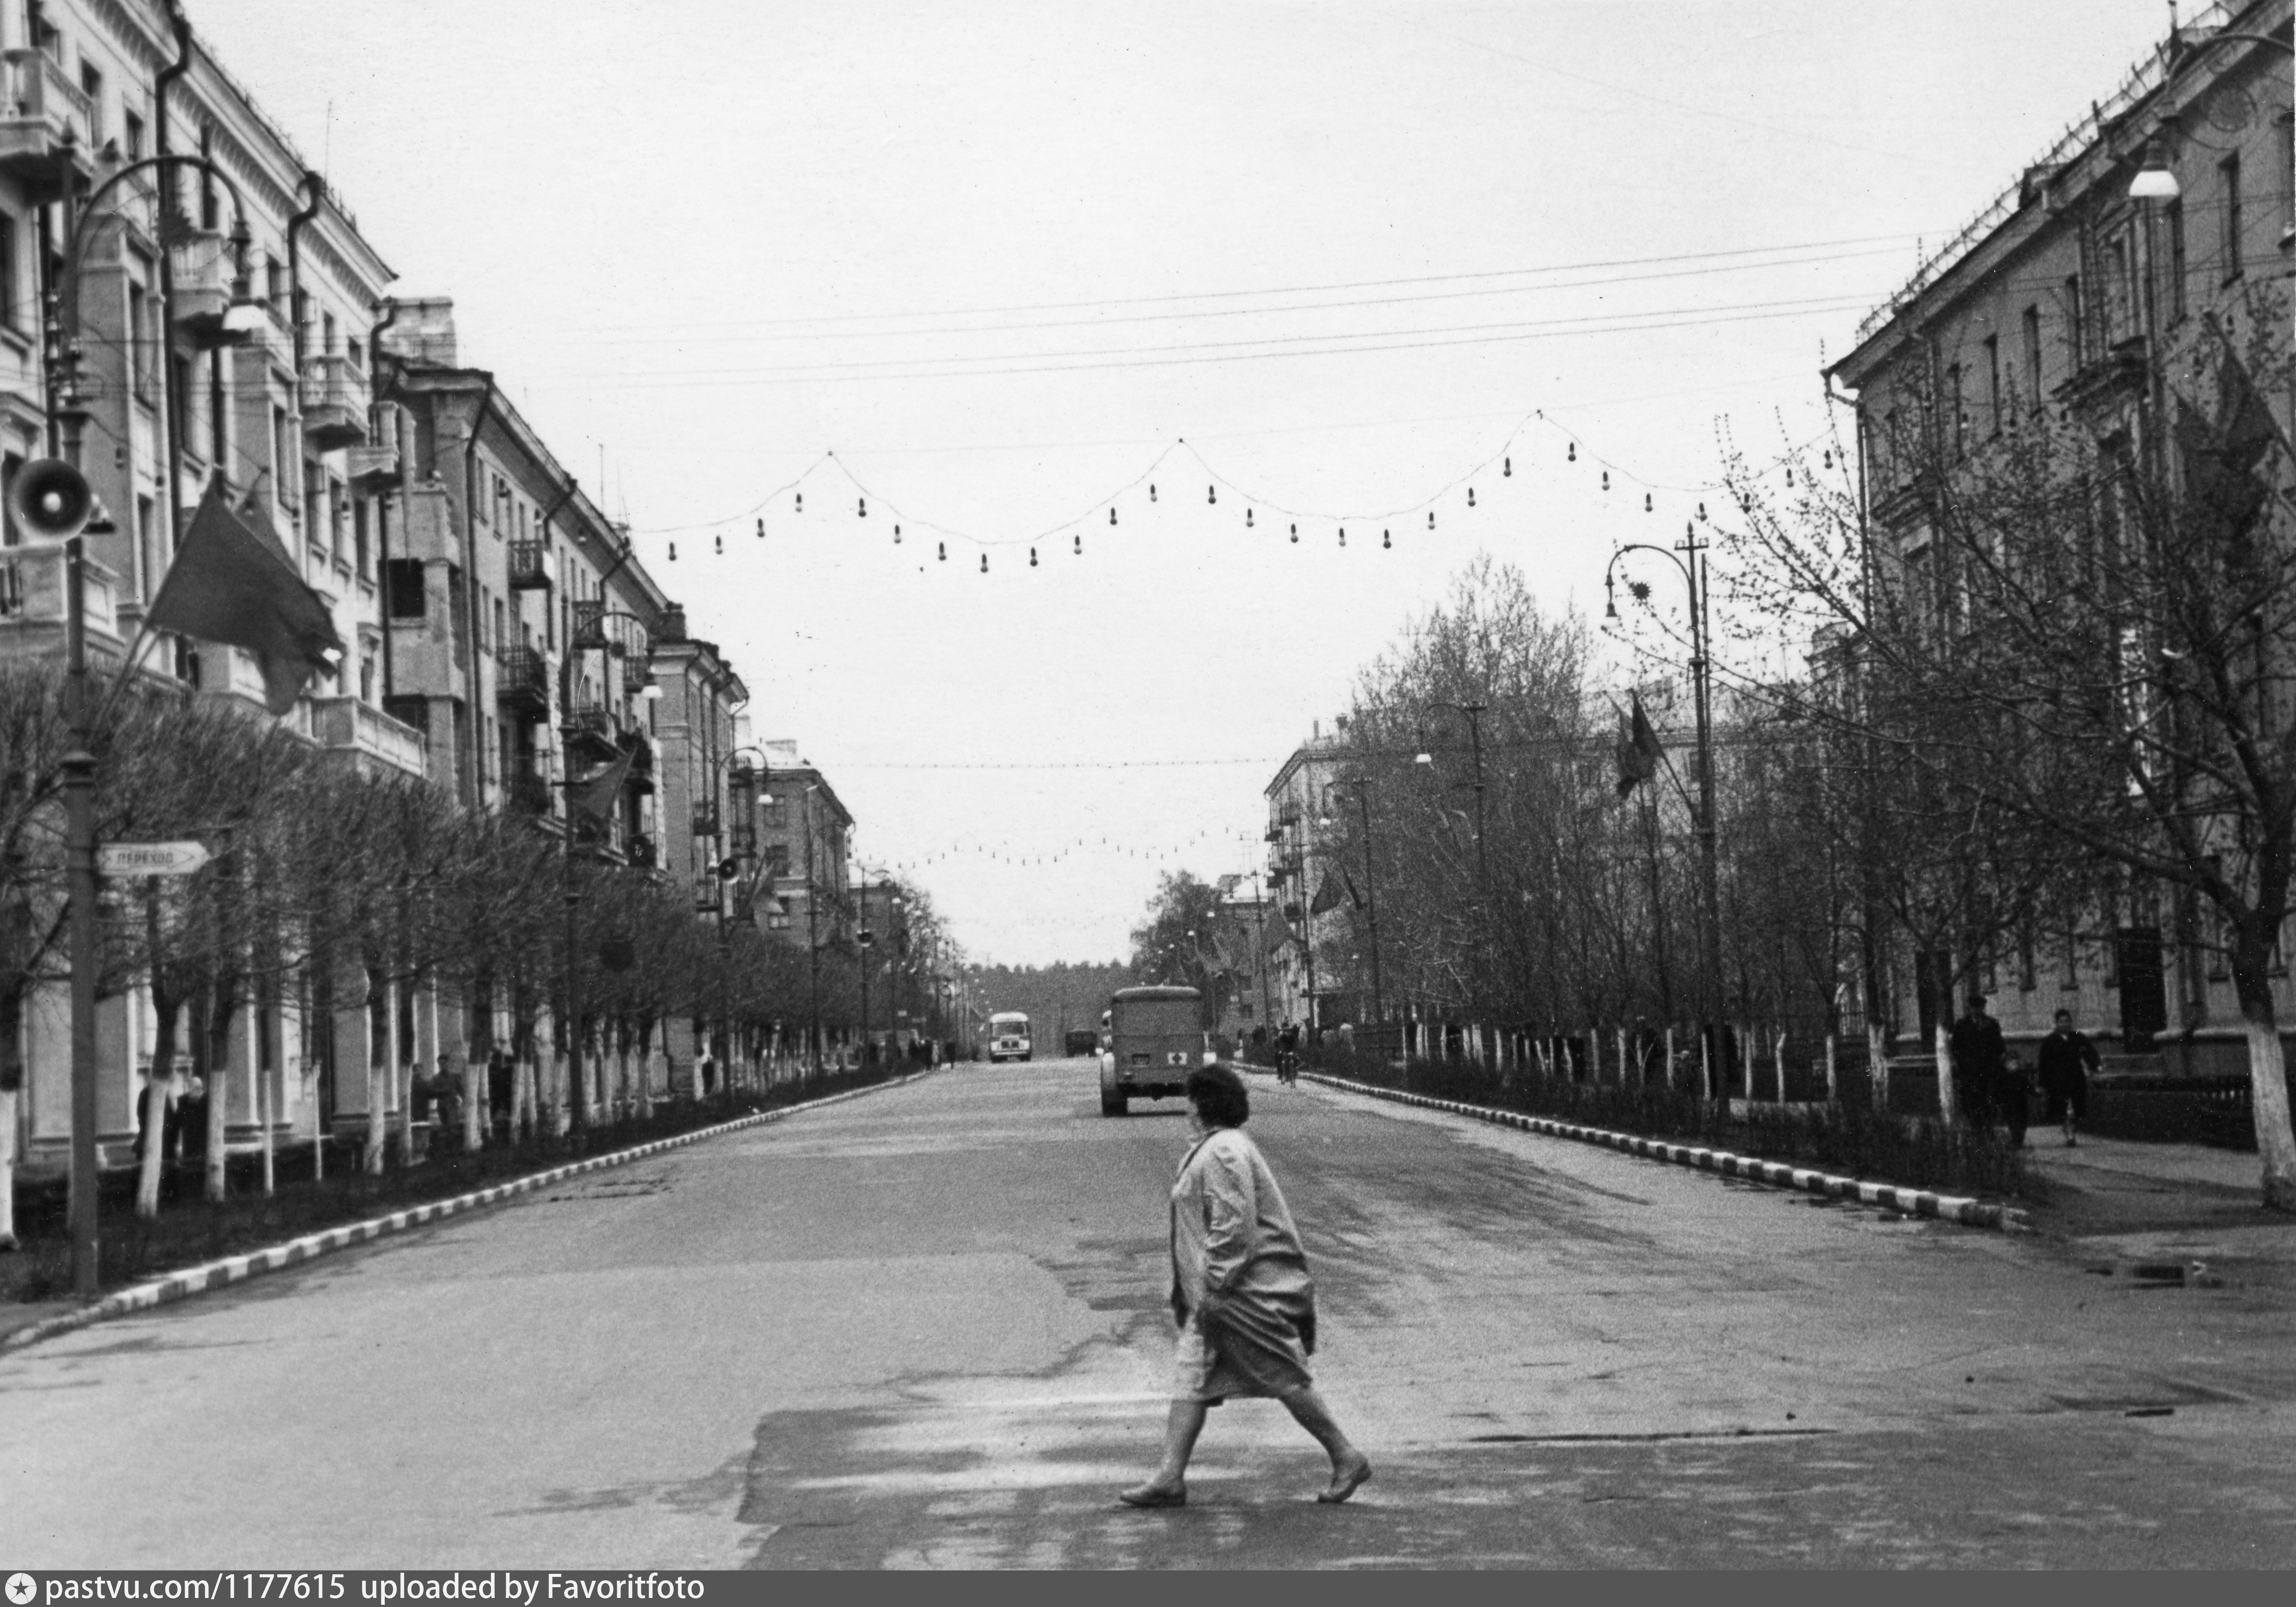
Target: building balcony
[(641, 752), (39, 106), (525, 793), (590, 625), (335, 396), (373, 469), (642, 853), (705, 821), (742, 842), (348, 726), (32, 597), (522, 683), (590, 730), (203, 270), (529, 566)]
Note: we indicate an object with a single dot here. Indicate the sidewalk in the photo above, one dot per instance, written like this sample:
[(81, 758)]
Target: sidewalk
[(2153, 1206)]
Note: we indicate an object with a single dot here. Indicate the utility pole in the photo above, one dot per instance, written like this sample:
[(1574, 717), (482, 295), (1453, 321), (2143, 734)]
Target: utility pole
[(812, 926)]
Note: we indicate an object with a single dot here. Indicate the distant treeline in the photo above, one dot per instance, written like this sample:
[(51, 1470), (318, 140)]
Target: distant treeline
[(1055, 997)]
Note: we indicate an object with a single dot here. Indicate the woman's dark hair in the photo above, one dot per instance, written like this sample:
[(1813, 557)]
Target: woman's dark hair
[(1218, 1095)]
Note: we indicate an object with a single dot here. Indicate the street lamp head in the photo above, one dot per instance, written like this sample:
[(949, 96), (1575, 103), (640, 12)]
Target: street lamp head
[(1423, 758), (2156, 180)]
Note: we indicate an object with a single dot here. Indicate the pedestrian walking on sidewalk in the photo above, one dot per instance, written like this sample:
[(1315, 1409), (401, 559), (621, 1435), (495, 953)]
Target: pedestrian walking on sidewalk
[(1980, 1065), (2067, 1058), (1242, 1294)]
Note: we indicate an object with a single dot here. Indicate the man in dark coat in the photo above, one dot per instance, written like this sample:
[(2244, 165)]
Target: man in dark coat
[(1980, 1065), (2067, 1058)]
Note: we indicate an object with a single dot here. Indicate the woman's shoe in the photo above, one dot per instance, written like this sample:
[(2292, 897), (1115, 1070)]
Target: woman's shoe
[(1155, 1495), (1344, 1485)]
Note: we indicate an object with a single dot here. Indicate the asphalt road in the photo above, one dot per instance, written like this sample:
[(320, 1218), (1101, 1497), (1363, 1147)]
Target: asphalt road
[(925, 1328)]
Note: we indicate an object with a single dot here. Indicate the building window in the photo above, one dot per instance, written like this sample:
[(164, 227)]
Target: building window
[(2033, 356), (338, 515), (141, 348), (314, 488), (283, 458), (2074, 333), (362, 552), (1995, 409), (13, 312), (132, 134), (326, 333), (1958, 422), (219, 413), (404, 596), (91, 85), (2174, 224), (147, 542), (2229, 170)]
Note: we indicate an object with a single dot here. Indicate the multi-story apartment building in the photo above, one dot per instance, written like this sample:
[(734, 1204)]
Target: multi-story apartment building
[(171, 327), (707, 802), (2072, 295), (520, 622), (803, 835), (1304, 981)]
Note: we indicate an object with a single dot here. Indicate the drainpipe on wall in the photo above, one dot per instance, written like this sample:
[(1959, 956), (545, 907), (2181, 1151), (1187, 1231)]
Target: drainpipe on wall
[(315, 190), (471, 580), (171, 405), (386, 381)]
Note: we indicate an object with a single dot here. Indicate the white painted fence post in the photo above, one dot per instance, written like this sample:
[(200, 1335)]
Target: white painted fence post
[(1832, 1081)]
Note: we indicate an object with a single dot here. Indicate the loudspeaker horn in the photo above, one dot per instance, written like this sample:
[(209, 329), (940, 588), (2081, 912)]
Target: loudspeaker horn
[(50, 499)]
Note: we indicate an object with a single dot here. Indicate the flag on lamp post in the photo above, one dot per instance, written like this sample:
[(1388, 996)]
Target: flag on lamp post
[(229, 585), (1638, 749)]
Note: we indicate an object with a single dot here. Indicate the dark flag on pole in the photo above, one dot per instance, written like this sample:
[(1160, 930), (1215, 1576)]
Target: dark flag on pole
[(230, 584), (1327, 897), (593, 797), (1638, 749)]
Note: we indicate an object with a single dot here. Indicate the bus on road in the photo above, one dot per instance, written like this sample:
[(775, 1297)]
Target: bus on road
[(1008, 1035)]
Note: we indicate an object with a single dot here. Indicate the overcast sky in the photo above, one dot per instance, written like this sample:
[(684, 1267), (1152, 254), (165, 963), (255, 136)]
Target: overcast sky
[(1000, 259)]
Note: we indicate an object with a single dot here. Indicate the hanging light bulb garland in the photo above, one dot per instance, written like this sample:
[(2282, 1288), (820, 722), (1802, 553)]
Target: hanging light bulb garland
[(1250, 512)]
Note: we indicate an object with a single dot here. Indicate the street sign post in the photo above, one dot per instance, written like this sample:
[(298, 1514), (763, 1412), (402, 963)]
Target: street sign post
[(150, 858)]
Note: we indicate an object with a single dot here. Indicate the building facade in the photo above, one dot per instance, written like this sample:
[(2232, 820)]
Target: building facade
[(2073, 297)]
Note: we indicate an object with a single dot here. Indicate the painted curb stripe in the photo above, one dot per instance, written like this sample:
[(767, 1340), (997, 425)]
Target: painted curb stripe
[(194, 1280), (1914, 1203)]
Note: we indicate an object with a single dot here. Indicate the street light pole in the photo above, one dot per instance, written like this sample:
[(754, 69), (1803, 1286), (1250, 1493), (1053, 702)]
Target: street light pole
[(1692, 564), (77, 768)]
